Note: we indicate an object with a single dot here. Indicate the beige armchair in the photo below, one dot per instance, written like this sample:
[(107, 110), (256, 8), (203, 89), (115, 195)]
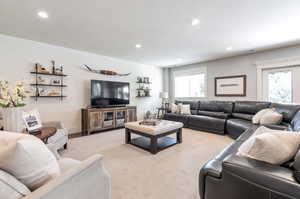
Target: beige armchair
[(60, 139)]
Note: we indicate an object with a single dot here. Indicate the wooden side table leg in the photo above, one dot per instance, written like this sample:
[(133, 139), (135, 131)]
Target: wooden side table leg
[(127, 136), (179, 135), (153, 145)]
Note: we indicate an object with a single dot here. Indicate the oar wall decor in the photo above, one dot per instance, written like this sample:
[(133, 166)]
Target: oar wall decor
[(105, 72)]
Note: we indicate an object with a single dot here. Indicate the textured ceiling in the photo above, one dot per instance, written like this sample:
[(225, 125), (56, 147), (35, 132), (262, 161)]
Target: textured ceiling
[(164, 29)]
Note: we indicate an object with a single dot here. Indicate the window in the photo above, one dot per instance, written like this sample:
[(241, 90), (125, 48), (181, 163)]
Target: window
[(280, 86), (190, 85)]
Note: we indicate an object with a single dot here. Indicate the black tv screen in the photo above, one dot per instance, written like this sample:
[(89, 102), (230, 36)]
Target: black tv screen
[(108, 93)]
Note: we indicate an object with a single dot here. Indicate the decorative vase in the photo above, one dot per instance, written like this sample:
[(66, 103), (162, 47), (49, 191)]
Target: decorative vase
[(12, 119)]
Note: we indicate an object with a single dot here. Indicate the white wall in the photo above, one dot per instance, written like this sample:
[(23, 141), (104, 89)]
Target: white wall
[(238, 65), (18, 57)]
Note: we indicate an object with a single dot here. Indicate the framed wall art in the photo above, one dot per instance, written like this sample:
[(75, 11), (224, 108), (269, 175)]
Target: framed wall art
[(231, 86)]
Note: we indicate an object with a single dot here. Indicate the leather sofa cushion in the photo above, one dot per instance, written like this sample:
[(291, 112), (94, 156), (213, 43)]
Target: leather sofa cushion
[(177, 118), (243, 116), (249, 107), (296, 122), (235, 127), (194, 112), (287, 110), (271, 178), (194, 105), (205, 123), (214, 114), (216, 106)]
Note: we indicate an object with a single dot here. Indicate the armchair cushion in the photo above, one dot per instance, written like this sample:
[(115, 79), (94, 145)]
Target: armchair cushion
[(88, 180), (11, 188)]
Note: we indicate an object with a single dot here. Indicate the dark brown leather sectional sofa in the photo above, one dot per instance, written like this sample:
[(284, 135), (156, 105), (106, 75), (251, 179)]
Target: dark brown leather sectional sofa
[(228, 176)]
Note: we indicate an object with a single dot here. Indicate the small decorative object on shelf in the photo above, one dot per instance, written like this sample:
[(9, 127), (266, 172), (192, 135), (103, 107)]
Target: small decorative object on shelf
[(40, 69), (58, 71), (42, 80), (143, 89), (55, 82), (54, 94)]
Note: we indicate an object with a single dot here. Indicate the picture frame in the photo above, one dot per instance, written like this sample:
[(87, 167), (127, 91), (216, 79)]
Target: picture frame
[(231, 86), (32, 120), (55, 82), (146, 79)]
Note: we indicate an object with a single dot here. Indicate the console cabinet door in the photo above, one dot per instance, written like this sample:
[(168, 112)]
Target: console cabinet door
[(108, 119), (96, 121), (120, 118), (131, 115)]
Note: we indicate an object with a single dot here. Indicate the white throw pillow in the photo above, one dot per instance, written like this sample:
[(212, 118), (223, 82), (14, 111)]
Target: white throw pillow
[(272, 146), (257, 117), (174, 108), (11, 188), (271, 117), (185, 109), (27, 158)]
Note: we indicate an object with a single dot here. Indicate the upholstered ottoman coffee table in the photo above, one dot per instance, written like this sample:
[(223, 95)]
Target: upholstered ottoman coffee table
[(154, 138)]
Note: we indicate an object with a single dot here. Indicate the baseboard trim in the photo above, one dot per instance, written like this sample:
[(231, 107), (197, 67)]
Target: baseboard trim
[(79, 134), (75, 135)]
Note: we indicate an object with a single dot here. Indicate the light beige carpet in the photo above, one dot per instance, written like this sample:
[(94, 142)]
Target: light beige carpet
[(137, 174)]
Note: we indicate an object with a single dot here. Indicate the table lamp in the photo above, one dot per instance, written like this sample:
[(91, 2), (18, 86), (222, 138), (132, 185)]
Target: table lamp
[(163, 96)]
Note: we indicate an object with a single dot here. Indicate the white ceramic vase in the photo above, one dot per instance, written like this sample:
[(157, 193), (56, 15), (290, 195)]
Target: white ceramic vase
[(12, 119)]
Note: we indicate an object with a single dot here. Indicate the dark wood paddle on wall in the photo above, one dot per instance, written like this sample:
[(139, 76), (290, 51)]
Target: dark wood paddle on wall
[(105, 72)]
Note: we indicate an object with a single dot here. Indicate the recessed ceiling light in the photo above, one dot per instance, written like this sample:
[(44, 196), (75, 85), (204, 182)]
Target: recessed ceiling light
[(138, 45), (195, 22), (229, 48), (43, 14)]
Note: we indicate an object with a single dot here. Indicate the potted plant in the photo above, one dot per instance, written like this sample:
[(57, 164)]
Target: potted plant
[(12, 100)]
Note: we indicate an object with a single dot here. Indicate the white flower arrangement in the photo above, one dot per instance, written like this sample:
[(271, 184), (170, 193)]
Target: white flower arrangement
[(13, 97)]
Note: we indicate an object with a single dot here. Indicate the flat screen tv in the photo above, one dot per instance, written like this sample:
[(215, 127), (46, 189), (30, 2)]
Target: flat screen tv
[(109, 94)]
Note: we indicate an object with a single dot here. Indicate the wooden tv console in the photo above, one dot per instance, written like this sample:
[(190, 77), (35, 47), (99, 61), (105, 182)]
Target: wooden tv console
[(98, 119)]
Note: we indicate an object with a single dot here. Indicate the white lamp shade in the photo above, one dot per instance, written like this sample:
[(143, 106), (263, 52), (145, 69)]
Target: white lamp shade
[(164, 95)]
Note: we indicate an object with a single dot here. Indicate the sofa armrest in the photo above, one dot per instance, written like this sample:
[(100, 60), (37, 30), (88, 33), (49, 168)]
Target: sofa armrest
[(278, 127), (87, 180), (270, 177)]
